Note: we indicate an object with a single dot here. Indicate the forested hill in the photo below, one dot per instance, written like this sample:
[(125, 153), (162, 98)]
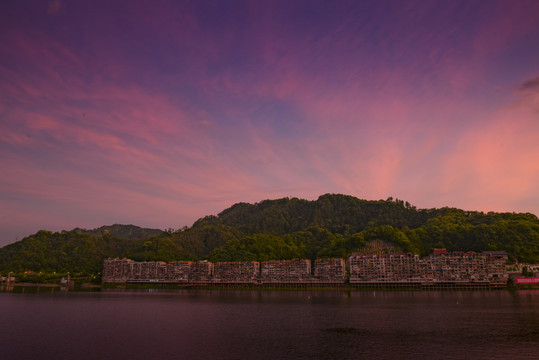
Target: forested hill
[(122, 231), (339, 214), (332, 226)]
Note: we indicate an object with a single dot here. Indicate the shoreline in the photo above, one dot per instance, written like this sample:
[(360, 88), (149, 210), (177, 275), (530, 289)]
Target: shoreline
[(87, 287)]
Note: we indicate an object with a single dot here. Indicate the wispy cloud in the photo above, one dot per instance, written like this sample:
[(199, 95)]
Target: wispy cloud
[(162, 114), (531, 84), (54, 6)]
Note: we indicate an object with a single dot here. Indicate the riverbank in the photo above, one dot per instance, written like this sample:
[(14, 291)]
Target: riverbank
[(47, 287), (36, 287)]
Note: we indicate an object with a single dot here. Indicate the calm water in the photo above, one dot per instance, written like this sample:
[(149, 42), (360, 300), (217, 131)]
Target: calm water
[(243, 324)]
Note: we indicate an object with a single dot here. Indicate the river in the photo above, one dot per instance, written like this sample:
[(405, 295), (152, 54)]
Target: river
[(254, 324)]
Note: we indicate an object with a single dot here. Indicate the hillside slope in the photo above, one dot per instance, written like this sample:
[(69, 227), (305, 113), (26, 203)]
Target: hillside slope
[(331, 226)]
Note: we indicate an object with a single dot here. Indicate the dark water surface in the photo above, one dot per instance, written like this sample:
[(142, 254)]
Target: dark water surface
[(245, 324)]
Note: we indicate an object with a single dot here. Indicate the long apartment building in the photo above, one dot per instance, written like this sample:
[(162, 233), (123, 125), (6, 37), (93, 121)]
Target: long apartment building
[(441, 266), (127, 270), (330, 270), (384, 268), (236, 272), (285, 271), (178, 271), (460, 266), (206, 272), (201, 272)]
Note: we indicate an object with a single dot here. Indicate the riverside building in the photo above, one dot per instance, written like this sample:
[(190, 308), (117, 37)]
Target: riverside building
[(297, 271), (444, 268), (440, 269), (465, 267), (201, 272), (286, 271), (329, 270), (384, 268), (236, 272)]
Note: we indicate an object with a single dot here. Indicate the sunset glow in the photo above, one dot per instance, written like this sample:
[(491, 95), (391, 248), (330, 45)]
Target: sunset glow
[(159, 113)]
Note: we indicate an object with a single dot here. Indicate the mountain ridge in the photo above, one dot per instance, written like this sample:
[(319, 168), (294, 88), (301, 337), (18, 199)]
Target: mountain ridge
[(334, 225)]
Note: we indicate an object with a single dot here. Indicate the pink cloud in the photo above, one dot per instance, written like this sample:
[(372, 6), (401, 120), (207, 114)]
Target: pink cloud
[(371, 108), (495, 163), (54, 6)]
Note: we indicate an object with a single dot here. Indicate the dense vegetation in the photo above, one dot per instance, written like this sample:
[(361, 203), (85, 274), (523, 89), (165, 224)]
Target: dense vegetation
[(332, 226)]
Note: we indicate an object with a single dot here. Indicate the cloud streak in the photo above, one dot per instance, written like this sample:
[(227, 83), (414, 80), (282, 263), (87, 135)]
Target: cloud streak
[(160, 115), (532, 84)]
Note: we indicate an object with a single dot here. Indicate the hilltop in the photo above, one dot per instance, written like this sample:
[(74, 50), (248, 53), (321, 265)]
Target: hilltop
[(331, 226), (122, 231)]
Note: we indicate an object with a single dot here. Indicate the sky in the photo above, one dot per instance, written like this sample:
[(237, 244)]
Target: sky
[(159, 113)]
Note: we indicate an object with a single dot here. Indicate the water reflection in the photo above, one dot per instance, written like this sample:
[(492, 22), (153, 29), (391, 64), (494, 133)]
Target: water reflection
[(270, 324)]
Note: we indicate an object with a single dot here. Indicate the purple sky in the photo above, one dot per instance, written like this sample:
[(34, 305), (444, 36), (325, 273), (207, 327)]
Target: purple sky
[(156, 113)]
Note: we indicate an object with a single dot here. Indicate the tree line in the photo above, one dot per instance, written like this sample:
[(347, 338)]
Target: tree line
[(331, 226)]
